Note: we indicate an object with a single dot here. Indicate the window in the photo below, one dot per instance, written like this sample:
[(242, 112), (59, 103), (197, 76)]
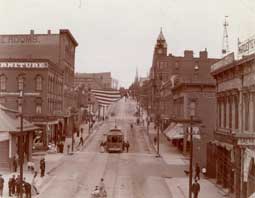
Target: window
[(236, 112), (225, 113), (21, 83), (38, 83), (2, 82), (247, 112), (219, 113), (230, 112), (38, 109)]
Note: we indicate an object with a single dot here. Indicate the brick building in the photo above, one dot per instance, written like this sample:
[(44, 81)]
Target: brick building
[(55, 50), (174, 82), (42, 84), (89, 81), (233, 159)]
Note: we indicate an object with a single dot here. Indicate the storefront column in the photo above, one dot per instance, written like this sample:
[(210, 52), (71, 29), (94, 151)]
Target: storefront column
[(251, 113)]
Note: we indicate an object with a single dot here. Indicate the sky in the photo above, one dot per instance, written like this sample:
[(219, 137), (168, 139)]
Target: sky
[(118, 36)]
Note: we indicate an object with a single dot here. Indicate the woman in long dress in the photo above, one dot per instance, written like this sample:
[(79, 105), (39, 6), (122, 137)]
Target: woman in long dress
[(33, 184)]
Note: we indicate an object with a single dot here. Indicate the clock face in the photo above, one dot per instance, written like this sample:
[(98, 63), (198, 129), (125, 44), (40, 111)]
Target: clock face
[(160, 51)]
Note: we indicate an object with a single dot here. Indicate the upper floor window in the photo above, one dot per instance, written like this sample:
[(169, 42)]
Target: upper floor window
[(38, 109), (38, 83), (3, 80), (21, 83)]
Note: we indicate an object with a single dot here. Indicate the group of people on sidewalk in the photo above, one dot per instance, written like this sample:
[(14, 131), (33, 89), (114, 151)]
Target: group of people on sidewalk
[(16, 185)]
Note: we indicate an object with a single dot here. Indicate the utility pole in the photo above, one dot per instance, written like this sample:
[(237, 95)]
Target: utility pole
[(20, 143), (191, 158)]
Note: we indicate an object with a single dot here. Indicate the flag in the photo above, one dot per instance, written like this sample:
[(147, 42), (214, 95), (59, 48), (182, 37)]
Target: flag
[(106, 98)]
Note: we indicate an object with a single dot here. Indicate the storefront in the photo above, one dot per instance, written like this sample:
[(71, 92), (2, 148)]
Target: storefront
[(10, 132)]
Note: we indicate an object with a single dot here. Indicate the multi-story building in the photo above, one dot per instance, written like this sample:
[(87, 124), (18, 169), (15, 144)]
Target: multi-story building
[(175, 82), (57, 50), (233, 159), (101, 80), (90, 81), (41, 82)]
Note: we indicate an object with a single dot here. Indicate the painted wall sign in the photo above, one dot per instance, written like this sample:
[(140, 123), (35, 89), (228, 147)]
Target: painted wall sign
[(246, 47), (223, 62), (19, 39), (17, 94), (23, 65)]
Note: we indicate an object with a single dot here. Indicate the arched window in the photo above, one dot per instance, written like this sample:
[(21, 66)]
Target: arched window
[(3, 80), (38, 83), (21, 83)]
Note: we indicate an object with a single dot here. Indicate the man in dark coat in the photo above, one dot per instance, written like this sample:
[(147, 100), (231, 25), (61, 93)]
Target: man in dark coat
[(197, 172), (1, 186), (127, 146), (42, 166), (195, 189), (27, 187), (15, 164), (13, 185)]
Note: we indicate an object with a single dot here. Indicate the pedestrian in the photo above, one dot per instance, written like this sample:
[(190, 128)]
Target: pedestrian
[(101, 185), (1, 186), (17, 185), (42, 166), (10, 185), (33, 183), (127, 146), (197, 172), (155, 140), (27, 187), (102, 147), (81, 141), (68, 149), (13, 185), (195, 189), (15, 164)]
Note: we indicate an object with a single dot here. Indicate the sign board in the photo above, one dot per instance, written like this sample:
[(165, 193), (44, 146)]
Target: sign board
[(246, 47), (246, 141), (23, 65), (18, 94), (19, 39), (228, 59)]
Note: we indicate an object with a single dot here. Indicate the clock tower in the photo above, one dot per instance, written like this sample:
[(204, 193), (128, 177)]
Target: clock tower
[(161, 45)]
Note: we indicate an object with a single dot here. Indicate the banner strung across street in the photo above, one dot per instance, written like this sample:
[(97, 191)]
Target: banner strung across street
[(106, 98)]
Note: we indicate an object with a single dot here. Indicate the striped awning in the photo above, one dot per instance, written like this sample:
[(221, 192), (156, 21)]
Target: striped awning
[(106, 97)]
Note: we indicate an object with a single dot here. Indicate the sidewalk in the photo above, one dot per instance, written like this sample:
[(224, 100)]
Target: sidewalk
[(177, 163), (53, 160)]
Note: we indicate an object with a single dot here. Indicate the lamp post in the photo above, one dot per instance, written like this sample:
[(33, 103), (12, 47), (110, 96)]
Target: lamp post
[(192, 114), (20, 144)]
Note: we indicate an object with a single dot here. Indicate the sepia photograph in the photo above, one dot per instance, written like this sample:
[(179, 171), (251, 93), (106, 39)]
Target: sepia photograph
[(127, 99)]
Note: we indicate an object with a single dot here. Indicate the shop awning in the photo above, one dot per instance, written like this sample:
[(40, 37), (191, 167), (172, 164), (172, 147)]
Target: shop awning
[(4, 136), (9, 122), (228, 146), (177, 131)]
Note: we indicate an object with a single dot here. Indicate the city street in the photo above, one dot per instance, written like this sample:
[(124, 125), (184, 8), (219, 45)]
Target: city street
[(135, 174)]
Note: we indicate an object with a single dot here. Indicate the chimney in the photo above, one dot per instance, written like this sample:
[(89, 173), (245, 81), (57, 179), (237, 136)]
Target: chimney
[(188, 53), (32, 31), (49, 31), (203, 54)]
